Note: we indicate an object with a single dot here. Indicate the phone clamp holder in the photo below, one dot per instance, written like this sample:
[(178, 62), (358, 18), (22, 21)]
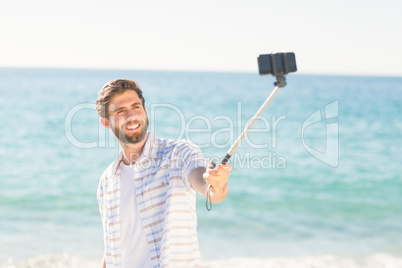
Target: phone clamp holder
[(278, 65)]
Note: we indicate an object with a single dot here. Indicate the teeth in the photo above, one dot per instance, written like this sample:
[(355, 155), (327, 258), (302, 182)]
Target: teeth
[(133, 126)]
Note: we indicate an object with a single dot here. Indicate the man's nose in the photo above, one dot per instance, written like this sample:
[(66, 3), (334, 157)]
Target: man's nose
[(131, 114)]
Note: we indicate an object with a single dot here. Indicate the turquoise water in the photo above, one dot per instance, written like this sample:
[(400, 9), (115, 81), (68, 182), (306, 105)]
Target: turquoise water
[(283, 201)]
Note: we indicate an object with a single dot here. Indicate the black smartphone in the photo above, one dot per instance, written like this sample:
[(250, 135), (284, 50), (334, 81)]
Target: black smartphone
[(277, 64)]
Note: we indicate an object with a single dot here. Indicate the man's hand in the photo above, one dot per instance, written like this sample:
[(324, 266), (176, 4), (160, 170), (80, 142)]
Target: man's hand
[(201, 178), (217, 177)]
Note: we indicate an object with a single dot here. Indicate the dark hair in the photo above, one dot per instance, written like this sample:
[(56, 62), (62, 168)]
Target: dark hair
[(113, 88)]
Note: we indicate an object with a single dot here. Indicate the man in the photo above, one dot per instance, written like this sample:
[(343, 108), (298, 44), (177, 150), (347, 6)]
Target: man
[(147, 195)]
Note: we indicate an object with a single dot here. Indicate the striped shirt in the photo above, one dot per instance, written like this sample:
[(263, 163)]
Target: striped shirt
[(165, 199)]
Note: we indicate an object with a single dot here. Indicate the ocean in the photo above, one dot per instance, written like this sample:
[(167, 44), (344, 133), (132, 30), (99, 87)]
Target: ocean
[(317, 181)]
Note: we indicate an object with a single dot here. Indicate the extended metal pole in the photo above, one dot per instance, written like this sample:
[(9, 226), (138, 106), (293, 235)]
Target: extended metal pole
[(239, 139), (255, 117), (277, 64)]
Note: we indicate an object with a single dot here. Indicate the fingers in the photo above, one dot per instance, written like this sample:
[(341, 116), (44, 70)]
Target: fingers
[(216, 167), (227, 166), (212, 165), (218, 174)]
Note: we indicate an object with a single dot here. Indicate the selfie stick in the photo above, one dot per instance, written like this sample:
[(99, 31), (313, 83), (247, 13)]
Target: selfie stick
[(254, 119), (277, 64)]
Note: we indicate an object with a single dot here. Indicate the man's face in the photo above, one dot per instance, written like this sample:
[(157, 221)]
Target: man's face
[(128, 117)]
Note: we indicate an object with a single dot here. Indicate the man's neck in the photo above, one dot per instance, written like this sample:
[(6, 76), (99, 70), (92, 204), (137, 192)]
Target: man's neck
[(132, 152)]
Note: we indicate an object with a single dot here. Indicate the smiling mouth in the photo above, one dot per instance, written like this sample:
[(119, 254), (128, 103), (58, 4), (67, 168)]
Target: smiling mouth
[(133, 126)]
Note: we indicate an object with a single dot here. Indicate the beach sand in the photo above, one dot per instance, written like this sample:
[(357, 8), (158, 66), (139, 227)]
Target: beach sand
[(381, 260)]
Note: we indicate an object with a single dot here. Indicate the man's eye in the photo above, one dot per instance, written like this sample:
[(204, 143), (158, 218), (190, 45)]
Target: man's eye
[(119, 111)]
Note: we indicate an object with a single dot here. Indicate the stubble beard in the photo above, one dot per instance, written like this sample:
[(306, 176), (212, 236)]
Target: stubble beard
[(132, 138)]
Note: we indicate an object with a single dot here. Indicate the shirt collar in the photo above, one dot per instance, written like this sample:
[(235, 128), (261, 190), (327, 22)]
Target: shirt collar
[(146, 152)]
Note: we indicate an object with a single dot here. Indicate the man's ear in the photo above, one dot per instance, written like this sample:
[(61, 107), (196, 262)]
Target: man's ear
[(105, 122)]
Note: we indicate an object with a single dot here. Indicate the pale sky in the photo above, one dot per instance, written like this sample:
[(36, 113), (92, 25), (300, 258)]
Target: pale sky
[(329, 37)]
